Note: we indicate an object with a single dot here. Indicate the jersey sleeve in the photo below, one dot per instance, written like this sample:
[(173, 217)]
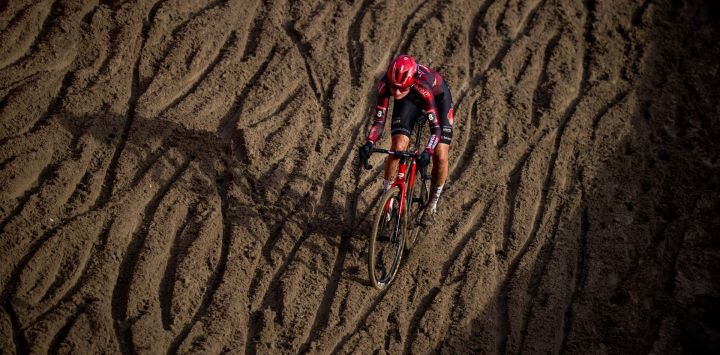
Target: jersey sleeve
[(432, 118), (380, 113)]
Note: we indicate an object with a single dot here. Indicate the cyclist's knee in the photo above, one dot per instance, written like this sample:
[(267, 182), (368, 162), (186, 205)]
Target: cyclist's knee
[(440, 160), (440, 156), (400, 142)]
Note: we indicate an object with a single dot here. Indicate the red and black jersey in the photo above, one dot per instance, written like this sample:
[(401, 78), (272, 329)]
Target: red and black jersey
[(428, 83)]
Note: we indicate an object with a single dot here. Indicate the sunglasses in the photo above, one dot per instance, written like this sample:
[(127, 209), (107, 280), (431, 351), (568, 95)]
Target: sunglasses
[(399, 88)]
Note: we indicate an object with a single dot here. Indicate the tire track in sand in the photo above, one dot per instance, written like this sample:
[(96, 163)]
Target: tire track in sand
[(541, 99), (404, 41), (467, 150), (354, 46), (46, 174), (64, 331), (304, 50), (528, 23), (322, 315), (472, 37), (157, 62), (542, 205), (253, 37), (230, 41), (219, 273), (544, 256), (513, 185), (618, 99), (135, 93), (410, 33), (427, 300), (47, 22), (121, 290), (21, 344), (53, 108), (273, 293), (178, 248), (227, 126), (293, 95), (84, 274), (271, 243), (362, 320), (109, 54), (581, 272), (16, 17), (322, 311), (270, 296)]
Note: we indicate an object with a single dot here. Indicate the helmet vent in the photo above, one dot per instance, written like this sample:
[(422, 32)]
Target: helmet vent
[(403, 77)]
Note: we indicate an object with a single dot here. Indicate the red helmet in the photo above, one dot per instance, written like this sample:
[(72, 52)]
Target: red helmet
[(402, 70)]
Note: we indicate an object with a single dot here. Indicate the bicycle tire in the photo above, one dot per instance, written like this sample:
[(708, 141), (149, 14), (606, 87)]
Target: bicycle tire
[(395, 239), (416, 202)]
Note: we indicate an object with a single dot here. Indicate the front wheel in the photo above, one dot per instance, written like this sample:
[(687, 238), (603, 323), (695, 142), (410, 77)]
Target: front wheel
[(387, 239), (416, 202)]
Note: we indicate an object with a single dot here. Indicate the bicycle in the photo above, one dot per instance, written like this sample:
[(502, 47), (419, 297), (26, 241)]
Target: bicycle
[(390, 229)]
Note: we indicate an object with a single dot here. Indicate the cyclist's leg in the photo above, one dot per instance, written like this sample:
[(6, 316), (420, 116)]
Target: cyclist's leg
[(403, 120), (437, 182), (399, 142), (440, 164), (442, 150)]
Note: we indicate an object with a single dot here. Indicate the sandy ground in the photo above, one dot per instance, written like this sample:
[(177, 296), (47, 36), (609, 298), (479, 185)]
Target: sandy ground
[(181, 176)]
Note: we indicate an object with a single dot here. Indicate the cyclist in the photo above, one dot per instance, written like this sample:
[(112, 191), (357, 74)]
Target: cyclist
[(417, 90)]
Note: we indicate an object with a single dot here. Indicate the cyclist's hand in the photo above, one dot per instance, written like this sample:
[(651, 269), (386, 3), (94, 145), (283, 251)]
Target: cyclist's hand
[(423, 160), (364, 153)]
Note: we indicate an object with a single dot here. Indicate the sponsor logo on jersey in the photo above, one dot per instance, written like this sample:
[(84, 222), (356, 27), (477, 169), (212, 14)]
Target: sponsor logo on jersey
[(422, 91), (447, 129)]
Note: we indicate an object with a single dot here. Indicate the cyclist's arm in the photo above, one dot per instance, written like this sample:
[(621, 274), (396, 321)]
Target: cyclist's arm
[(432, 118), (380, 113)]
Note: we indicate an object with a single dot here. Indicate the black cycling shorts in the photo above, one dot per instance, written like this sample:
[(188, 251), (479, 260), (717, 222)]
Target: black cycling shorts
[(406, 112)]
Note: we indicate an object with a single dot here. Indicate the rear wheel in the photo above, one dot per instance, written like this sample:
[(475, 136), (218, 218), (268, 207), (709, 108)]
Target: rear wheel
[(387, 239)]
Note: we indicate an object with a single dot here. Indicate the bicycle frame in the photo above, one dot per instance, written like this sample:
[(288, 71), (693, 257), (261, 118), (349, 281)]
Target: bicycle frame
[(400, 178), (404, 156), (401, 181)]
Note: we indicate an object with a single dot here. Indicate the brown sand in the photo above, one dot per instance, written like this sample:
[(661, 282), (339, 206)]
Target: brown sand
[(182, 176)]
